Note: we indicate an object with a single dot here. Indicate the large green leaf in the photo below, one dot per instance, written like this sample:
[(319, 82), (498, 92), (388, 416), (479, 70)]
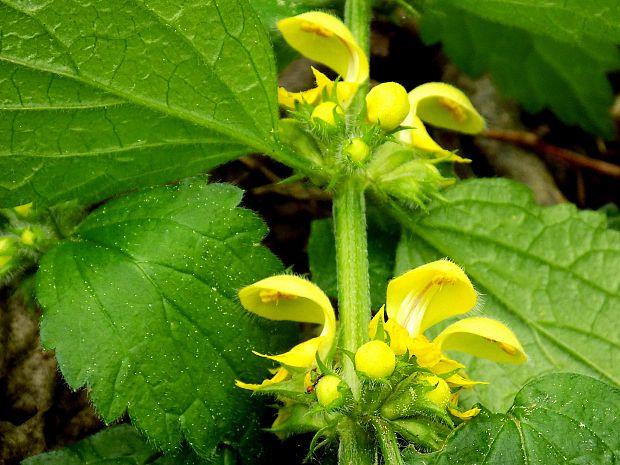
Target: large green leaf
[(557, 418), (545, 54), (551, 274), (141, 306), (114, 92)]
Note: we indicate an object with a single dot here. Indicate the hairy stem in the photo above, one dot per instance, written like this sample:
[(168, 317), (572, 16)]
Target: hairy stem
[(352, 265), (387, 441), (356, 447)]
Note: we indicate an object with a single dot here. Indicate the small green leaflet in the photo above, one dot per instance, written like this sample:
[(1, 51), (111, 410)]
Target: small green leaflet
[(557, 418), (118, 445), (110, 95), (551, 274), (141, 306), (549, 54), (122, 444)]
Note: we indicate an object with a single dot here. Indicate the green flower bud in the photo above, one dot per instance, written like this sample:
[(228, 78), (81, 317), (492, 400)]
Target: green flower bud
[(327, 392), (357, 150), (422, 432), (399, 172), (441, 394), (387, 105), (375, 359), (295, 418), (325, 112), (421, 394)]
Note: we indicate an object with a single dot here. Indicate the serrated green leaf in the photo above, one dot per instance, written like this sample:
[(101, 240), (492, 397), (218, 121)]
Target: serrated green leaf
[(109, 92), (551, 274), (141, 306), (322, 258), (572, 20), (553, 55), (557, 418)]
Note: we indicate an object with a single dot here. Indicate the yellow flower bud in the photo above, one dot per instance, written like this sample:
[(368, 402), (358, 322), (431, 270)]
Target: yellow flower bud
[(5, 244), (357, 150), (6, 252), (4, 260), (23, 210), (387, 105), (375, 359), (28, 237), (441, 394), (325, 111), (327, 390)]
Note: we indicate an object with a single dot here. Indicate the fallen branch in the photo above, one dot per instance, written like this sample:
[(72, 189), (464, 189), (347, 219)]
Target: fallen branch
[(534, 142)]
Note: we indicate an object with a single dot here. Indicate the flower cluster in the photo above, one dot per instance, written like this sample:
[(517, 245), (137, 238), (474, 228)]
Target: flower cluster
[(417, 380), (387, 139)]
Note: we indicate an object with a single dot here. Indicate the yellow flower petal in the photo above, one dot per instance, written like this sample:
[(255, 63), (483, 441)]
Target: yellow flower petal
[(374, 322), (280, 375), (324, 38), (429, 294), (344, 91), (400, 342), (302, 355), (443, 105), (446, 365), (484, 338), (427, 354), (419, 138), (399, 337), (290, 99), (467, 415), (458, 380)]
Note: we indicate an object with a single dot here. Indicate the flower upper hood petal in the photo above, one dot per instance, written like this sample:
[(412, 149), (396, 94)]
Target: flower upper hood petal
[(484, 338), (429, 294), (291, 298), (324, 38), (445, 106)]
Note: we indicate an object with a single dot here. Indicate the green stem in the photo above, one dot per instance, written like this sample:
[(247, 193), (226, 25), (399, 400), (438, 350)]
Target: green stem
[(352, 271), (356, 447), (357, 16), (387, 441)]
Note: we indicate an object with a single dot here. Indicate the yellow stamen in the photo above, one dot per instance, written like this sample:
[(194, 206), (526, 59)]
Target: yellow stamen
[(454, 108), (271, 295), (316, 29)]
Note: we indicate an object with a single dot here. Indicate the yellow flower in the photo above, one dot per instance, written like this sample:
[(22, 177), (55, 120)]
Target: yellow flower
[(291, 298), (387, 105), (325, 39), (375, 359), (430, 294), (327, 112), (441, 105)]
